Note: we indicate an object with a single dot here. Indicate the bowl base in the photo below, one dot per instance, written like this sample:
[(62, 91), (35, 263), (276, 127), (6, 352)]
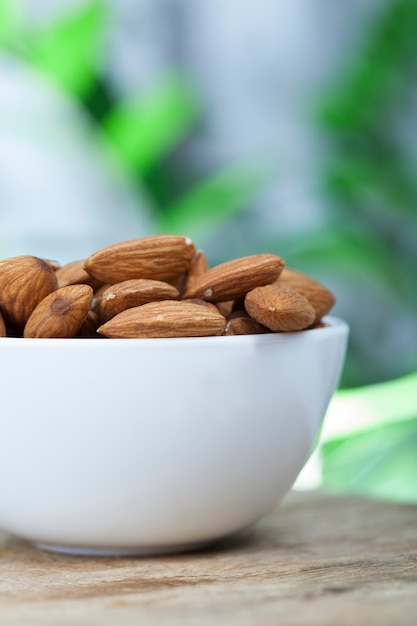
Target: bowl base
[(132, 551)]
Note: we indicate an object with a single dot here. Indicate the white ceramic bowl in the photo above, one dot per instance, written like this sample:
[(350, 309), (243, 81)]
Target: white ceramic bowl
[(130, 446)]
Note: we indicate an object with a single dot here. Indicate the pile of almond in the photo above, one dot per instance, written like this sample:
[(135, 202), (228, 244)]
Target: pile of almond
[(157, 286)]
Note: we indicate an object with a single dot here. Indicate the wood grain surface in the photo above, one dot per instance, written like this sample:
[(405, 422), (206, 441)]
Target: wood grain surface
[(316, 559)]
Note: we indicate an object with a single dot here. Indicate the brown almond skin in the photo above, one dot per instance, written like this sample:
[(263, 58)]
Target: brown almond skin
[(158, 257), (73, 273), (233, 279), (61, 314), (24, 282), (131, 293), (239, 323), (3, 330), (201, 302), (199, 266), (169, 318), (280, 309), (321, 299)]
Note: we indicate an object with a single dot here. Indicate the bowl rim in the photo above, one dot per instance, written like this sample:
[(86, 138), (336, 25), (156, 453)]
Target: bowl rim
[(335, 326)]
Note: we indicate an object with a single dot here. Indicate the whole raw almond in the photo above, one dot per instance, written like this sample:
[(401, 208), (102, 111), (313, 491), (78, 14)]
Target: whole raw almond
[(60, 314), (233, 279), (158, 257), (131, 293), (321, 299), (24, 282), (168, 318), (280, 309), (73, 273)]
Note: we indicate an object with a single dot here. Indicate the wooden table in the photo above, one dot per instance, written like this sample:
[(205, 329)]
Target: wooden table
[(317, 559)]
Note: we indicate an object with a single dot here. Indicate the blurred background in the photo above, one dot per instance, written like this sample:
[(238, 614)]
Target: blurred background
[(285, 127)]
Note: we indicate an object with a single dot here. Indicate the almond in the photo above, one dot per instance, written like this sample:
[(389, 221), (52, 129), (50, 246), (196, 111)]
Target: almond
[(233, 279), (321, 299), (24, 282), (73, 273), (199, 266), (168, 318), (158, 257), (131, 293), (239, 323), (280, 309), (60, 314), (3, 331)]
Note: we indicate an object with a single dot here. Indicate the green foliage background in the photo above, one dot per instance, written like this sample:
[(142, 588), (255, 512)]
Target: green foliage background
[(368, 183)]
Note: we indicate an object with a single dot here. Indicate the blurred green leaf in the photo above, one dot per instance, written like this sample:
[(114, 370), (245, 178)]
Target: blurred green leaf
[(68, 49), (352, 250), (370, 181), (143, 130), (9, 20), (386, 183), (356, 410), (213, 201), (369, 440), (373, 83), (344, 250), (380, 462)]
